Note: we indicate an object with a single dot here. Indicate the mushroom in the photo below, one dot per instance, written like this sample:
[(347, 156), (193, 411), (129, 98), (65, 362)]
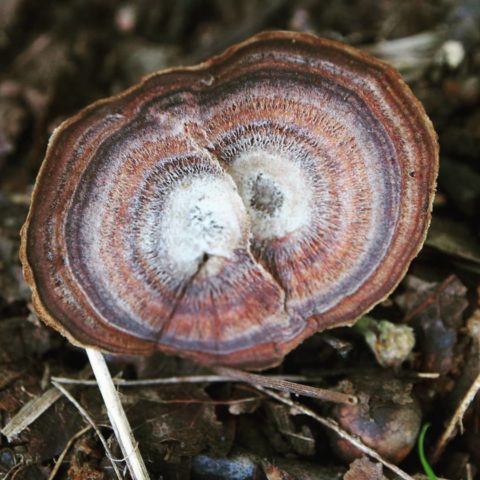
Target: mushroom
[(225, 212)]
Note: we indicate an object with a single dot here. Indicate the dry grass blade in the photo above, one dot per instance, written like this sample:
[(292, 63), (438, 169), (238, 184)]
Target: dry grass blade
[(30, 412), (60, 458), (286, 386), (89, 419), (456, 419)]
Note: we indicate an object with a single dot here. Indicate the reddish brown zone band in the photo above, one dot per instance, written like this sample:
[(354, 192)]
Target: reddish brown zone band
[(62, 156)]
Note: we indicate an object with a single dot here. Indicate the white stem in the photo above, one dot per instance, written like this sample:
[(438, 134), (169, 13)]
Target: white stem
[(117, 416)]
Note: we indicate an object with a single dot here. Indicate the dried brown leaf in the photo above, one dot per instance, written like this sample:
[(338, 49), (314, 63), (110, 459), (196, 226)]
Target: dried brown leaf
[(435, 310), (364, 469)]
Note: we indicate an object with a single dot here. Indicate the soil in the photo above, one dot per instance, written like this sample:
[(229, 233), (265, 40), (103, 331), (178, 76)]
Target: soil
[(421, 346)]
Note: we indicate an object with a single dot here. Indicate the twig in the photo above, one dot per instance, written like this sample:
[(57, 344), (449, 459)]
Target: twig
[(286, 386), (339, 431), (120, 382), (117, 416), (146, 382), (60, 458), (89, 419), (468, 471), (456, 419), (429, 299), (424, 375), (10, 472)]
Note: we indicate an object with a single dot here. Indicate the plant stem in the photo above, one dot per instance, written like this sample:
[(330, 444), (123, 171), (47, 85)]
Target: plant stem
[(116, 414)]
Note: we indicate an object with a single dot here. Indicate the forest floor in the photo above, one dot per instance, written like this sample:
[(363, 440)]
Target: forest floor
[(57, 57)]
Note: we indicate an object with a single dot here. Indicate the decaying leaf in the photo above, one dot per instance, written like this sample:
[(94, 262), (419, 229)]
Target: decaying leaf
[(456, 240), (174, 422), (435, 310), (364, 469)]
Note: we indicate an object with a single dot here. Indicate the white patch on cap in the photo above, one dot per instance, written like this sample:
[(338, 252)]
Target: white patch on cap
[(275, 193), (204, 216)]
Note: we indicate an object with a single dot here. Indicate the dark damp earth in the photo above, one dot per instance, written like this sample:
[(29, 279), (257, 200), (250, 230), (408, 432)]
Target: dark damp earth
[(414, 358)]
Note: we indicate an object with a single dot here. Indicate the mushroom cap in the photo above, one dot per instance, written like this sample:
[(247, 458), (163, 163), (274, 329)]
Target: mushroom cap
[(225, 212)]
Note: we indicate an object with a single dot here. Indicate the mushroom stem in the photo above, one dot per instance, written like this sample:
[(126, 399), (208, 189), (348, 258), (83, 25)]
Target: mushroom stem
[(116, 414)]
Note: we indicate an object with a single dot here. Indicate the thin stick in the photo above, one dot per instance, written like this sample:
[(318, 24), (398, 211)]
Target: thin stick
[(456, 419), (339, 431), (280, 382), (10, 472), (286, 386), (89, 419), (120, 382), (430, 299), (117, 416), (60, 458), (146, 382)]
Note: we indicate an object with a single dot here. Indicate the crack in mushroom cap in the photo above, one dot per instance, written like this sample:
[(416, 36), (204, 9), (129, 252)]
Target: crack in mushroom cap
[(225, 212)]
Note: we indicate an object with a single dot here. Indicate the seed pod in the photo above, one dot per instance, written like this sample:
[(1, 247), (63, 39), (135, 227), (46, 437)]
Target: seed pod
[(387, 417)]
